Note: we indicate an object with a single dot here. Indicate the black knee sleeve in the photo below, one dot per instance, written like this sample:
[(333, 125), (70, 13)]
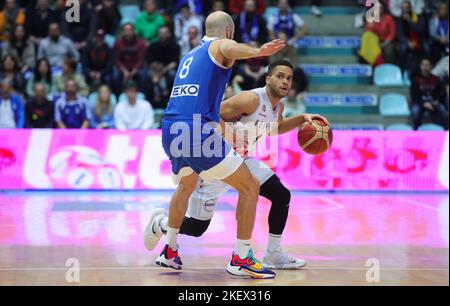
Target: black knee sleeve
[(194, 227), (280, 197)]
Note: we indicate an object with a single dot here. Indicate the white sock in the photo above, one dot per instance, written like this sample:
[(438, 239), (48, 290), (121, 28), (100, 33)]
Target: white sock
[(274, 242), (242, 248), (172, 234), (163, 225)]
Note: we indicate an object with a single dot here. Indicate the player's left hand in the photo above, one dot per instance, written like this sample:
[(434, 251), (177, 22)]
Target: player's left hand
[(308, 118)]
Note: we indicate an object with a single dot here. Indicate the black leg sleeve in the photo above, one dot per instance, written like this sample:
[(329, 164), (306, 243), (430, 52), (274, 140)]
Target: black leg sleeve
[(280, 197)]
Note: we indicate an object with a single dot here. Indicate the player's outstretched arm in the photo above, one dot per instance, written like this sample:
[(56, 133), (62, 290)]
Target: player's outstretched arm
[(232, 50)]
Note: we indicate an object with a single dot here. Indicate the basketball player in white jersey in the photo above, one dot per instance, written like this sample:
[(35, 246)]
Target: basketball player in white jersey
[(256, 109)]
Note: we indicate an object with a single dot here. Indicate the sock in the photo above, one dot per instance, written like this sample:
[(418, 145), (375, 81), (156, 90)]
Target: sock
[(242, 248), (163, 225), (172, 234), (274, 242)]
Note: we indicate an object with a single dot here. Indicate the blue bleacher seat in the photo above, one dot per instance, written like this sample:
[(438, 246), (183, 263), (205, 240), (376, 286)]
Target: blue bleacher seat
[(110, 40), (399, 127), (123, 97), (388, 75), (394, 105), (92, 99), (129, 13), (430, 127), (406, 79)]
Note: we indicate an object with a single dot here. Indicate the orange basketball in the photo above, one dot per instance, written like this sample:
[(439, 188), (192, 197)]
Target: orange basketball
[(316, 137)]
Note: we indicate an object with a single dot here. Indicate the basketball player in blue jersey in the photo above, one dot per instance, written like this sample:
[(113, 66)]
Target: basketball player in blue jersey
[(194, 147)]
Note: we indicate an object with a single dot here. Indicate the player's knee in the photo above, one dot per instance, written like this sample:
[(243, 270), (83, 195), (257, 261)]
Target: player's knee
[(284, 195), (187, 186), (276, 192), (250, 187)]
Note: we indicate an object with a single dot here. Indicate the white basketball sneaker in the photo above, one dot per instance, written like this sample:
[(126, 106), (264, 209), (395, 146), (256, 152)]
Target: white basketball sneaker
[(278, 259), (153, 231)]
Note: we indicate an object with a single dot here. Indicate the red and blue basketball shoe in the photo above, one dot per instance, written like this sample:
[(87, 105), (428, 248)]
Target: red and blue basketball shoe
[(248, 267), (169, 259)]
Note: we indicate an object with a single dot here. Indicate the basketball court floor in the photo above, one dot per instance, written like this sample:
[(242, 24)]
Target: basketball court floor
[(346, 238)]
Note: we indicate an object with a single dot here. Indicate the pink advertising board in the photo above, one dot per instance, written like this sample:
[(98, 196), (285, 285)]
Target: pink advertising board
[(110, 159)]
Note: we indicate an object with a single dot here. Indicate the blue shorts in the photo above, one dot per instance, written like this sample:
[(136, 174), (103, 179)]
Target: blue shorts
[(189, 150)]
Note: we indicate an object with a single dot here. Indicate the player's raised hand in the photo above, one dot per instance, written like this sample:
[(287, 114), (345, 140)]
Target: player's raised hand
[(272, 47)]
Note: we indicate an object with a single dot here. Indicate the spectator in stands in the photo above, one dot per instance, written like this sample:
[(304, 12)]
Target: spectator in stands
[(288, 22), (130, 52), (69, 73), (378, 40), (82, 31), (56, 47), (441, 69), (38, 20), (439, 32), (10, 16), (11, 71), (102, 112), (39, 111), (165, 52), (60, 9), (183, 21), (191, 41), (250, 26), (42, 75), (12, 113), (21, 48), (195, 6), (158, 87), (108, 16), (218, 5), (411, 29), (395, 7), (71, 109), (428, 96), (253, 72), (148, 22), (98, 61), (133, 114), (235, 7)]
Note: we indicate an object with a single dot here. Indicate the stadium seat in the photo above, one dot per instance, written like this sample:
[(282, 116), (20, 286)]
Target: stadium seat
[(388, 75), (110, 40), (394, 105), (92, 99), (123, 97), (399, 127), (430, 127), (129, 13), (406, 79)]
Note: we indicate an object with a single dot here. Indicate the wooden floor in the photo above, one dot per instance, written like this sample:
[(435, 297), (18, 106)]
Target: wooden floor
[(344, 238)]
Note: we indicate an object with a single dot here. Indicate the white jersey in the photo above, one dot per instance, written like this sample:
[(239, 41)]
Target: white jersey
[(252, 128)]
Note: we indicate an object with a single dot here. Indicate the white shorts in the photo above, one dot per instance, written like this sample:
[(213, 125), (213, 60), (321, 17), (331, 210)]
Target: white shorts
[(204, 198)]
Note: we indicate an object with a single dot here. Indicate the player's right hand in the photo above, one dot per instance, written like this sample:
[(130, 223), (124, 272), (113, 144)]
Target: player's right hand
[(272, 47)]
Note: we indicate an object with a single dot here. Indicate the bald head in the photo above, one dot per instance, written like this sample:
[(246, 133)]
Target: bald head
[(219, 24)]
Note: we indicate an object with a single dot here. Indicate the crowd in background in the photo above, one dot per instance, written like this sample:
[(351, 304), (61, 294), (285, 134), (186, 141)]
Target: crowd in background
[(102, 72)]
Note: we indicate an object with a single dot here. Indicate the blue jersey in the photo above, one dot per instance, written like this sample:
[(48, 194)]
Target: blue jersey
[(199, 86)]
